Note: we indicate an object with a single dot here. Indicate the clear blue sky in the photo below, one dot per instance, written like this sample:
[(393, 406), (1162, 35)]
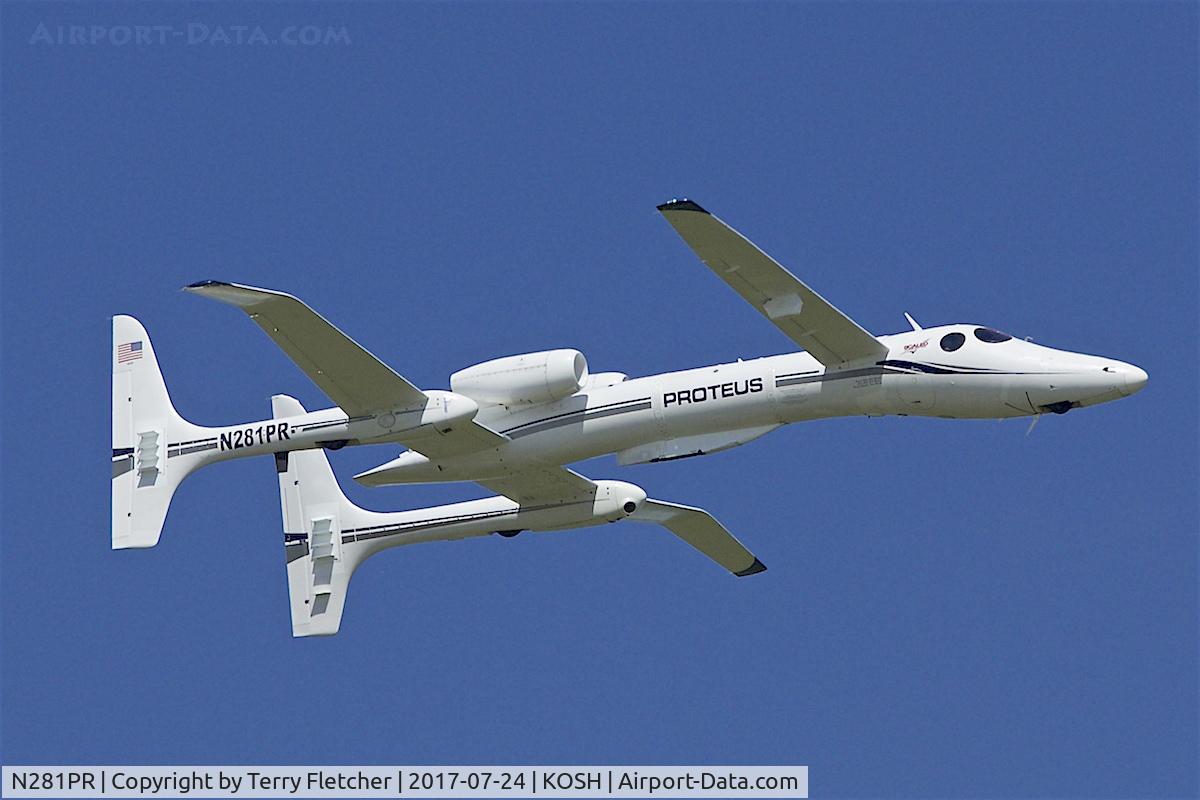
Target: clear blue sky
[(952, 609)]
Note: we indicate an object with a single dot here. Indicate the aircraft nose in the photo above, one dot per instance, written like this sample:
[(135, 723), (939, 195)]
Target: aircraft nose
[(1135, 379)]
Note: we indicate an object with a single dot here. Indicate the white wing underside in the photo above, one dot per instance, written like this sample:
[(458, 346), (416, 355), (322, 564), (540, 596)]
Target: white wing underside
[(357, 381), (542, 485), (702, 531), (547, 485), (804, 316)]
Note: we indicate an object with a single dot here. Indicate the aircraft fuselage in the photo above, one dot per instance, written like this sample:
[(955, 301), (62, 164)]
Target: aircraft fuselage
[(703, 410)]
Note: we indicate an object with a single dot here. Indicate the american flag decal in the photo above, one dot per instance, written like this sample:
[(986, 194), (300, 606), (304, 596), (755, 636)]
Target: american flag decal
[(129, 352)]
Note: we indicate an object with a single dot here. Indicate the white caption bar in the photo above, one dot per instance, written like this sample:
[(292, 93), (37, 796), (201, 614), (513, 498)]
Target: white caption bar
[(418, 782)]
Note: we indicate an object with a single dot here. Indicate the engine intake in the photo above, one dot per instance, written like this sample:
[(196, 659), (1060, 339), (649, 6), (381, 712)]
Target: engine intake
[(531, 378)]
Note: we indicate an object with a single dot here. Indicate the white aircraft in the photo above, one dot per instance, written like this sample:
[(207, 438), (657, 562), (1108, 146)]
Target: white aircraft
[(511, 424)]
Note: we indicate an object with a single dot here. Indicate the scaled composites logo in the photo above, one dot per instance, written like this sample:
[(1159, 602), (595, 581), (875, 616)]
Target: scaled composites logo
[(191, 34)]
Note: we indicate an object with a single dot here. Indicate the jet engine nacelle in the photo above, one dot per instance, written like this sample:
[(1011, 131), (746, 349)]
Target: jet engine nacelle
[(531, 378)]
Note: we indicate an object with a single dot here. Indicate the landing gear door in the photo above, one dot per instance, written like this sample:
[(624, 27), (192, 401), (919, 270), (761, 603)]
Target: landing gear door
[(915, 391)]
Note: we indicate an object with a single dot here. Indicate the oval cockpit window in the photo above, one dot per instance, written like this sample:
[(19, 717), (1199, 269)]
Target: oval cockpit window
[(952, 341), (991, 336)]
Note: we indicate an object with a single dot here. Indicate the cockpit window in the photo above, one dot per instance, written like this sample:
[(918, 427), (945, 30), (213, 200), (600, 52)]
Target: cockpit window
[(953, 341), (991, 336)]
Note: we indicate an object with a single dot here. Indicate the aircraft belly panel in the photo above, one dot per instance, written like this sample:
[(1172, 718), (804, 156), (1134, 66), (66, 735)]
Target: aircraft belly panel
[(688, 446)]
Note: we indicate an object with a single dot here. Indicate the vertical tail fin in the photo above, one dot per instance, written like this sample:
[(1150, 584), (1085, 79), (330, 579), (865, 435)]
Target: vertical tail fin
[(144, 424), (314, 513)]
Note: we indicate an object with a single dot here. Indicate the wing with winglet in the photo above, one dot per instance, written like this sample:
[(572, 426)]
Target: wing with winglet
[(348, 373), (353, 378), (804, 316), (702, 531), (545, 484)]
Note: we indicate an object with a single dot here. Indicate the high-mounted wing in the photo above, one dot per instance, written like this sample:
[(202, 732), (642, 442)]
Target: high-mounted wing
[(808, 319), (353, 378), (356, 380), (702, 531)]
